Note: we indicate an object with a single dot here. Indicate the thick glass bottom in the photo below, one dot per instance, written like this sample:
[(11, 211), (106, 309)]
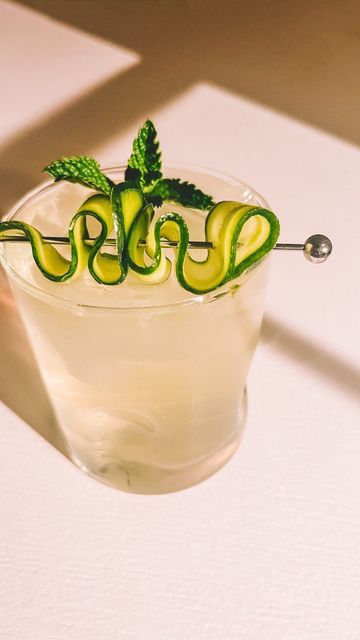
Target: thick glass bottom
[(140, 478)]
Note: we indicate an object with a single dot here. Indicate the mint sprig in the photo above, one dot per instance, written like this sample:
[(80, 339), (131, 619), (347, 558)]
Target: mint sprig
[(144, 167), (82, 170), (145, 158), (144, 170)]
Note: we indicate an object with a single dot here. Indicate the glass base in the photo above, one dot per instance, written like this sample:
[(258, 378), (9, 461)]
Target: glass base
[(147, 479)]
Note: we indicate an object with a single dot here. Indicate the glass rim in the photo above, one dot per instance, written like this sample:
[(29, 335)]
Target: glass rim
[(205, 298)]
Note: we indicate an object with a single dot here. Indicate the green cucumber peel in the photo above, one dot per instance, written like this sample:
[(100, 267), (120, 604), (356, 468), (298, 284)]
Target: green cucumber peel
[(128, 215), (157, 253), (138, 232), (265, 248), (105, 268), (126, 211), (221, 264)]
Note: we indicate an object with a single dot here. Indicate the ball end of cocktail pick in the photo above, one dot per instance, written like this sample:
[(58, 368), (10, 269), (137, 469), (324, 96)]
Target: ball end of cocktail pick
[(317, 248)]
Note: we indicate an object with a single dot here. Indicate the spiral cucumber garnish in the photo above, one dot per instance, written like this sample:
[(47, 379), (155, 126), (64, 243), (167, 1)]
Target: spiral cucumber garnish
[(240, 235)]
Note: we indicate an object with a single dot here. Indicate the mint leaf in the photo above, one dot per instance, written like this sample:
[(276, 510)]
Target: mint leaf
[(183, 192), (133, 175), (155, 200), (81, 170), (146, 157)]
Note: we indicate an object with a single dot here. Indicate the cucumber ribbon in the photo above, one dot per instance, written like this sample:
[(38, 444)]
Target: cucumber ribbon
[(241, 234)]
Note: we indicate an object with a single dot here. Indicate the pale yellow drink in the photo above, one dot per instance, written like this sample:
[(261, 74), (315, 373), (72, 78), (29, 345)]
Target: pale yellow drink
[(146, 380)]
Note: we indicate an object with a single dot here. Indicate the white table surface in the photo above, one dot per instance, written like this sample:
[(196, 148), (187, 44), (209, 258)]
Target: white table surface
[(269, 547)]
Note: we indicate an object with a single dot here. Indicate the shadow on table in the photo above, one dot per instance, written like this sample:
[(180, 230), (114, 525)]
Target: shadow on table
[(79, 128), (296, 57), (274, 53), (333, 369)]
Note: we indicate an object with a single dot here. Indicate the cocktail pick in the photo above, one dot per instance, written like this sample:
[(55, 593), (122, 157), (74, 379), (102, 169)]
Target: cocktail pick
[(316, 248)]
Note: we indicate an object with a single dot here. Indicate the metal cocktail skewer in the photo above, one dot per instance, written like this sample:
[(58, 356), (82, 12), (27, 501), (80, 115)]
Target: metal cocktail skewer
[(316, 248)]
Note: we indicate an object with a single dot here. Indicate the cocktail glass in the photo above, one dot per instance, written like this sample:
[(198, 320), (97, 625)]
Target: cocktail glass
[(147, 381)]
